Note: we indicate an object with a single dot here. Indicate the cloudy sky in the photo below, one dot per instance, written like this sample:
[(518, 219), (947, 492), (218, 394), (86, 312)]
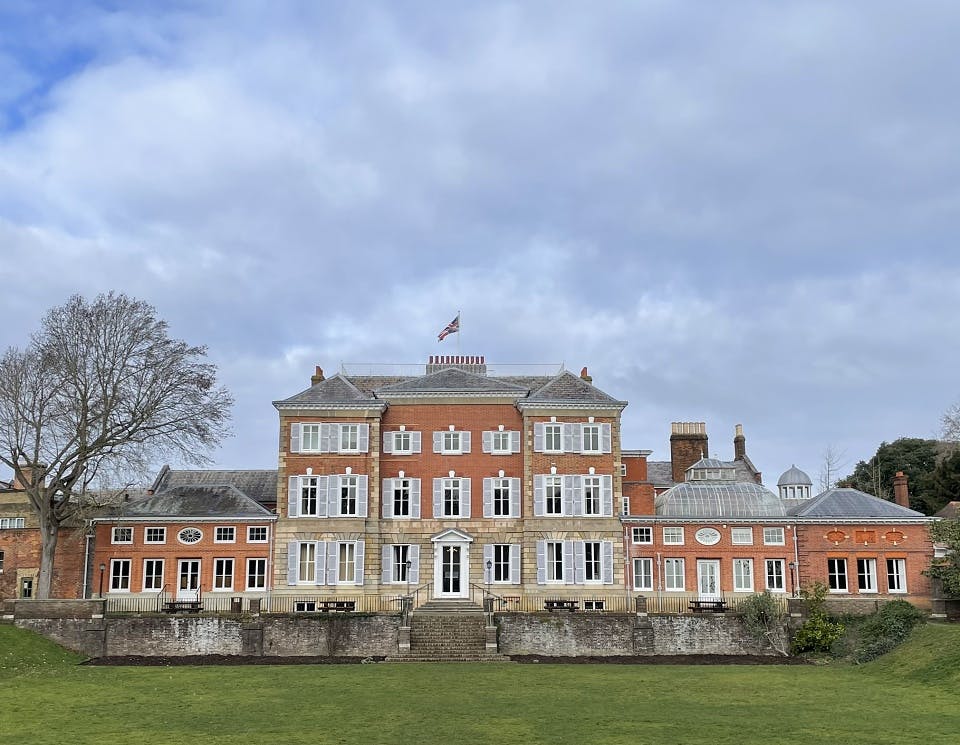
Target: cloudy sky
[(730, 212)]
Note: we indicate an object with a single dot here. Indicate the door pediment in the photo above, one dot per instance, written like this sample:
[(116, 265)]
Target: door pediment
[(451, 535)]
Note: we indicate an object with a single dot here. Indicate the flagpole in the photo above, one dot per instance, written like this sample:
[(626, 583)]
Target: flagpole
[(459, 331)]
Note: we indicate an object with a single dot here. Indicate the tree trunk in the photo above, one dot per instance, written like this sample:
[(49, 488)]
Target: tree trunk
[(49, 533)]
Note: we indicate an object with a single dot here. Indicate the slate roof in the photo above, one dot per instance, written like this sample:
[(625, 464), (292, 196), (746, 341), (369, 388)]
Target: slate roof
[(951, 511), (365, 390), (660, 472), (260, 486), (851, 503), (335, 390), (453, 380), (717, 499), (569, 388), (220, 500)]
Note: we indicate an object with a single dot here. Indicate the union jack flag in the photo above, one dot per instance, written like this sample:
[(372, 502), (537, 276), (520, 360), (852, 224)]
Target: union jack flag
[(451, 328)]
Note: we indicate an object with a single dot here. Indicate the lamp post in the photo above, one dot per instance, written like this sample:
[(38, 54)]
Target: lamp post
[(488, 600), (793, 580), (103, 568), (408, 601)]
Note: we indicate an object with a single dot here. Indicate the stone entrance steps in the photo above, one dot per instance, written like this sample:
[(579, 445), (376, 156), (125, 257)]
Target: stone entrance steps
[(448, 631)]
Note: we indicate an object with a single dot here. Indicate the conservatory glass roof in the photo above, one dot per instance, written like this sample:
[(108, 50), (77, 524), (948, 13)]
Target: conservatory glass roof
[(713, 499)]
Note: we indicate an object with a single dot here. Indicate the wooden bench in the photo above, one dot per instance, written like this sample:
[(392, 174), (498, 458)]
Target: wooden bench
[(710, 606), (567, 605), (182, 606), (337, 606)]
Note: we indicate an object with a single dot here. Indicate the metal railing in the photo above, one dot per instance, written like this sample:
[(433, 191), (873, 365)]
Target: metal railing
[(679, 604), (405, 603)]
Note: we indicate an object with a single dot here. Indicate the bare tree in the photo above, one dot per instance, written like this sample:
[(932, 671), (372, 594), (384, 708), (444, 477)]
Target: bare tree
[(833, 461), (101, 389), (950, 424)]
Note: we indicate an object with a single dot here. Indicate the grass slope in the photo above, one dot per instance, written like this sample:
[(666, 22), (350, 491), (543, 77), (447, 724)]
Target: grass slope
[(909, 696)]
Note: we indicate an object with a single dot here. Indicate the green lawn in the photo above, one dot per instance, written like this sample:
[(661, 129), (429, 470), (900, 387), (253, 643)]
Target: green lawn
[(912, 695)]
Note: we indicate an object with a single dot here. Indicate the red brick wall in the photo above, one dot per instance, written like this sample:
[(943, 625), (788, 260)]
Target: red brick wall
[(476, 465), (817, 543), (577, 463), (21, 557), (724, 551), (206, 550)]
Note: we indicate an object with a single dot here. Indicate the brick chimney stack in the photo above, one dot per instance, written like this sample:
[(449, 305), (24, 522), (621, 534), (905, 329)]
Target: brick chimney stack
[(584, 375), (27, 471), (317, 376), (739, 444), (688, 444), (900, 494)]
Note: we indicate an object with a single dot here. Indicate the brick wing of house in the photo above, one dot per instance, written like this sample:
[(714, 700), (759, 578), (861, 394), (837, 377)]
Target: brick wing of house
[(189, 542)]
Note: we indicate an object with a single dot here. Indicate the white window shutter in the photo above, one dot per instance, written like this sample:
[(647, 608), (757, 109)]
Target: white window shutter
[(329, 438), (363, 437), (386, 563), (414, 442), (572, 496), (579, 572), (538, 437), (568, 439), (295, 437), (541, 562), (464, 498), (576, 445), (606, 562), (333, 496), (362, 496), (358, 563), (605, 438), (293, 496), (386, 497), (569, 565), (293, 562), (606, 495), (321, 571), (322, 485), (573, 484), (487, 442), (515, 563), (318, 549), (387, 443), (488, 556), (464, 442), (488, 497), (415, 498), (332, 562), (538, 496), (413, 554), (514, 497), (437, 442), (438, 497), (515, 441)]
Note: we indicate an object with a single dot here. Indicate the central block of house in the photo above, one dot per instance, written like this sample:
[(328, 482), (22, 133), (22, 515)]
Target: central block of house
[(453, 481)]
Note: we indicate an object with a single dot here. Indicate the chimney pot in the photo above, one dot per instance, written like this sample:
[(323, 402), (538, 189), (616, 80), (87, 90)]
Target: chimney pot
[(317, 376)]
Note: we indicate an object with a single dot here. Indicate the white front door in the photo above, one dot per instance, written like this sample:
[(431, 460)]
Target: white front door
[(451, 570), (708, 579), (188, 582)]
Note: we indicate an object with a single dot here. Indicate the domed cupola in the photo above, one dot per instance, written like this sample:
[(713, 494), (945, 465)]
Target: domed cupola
[(794, 484)]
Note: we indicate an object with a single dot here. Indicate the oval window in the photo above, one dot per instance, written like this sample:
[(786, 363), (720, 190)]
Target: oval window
[(189, 535)]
